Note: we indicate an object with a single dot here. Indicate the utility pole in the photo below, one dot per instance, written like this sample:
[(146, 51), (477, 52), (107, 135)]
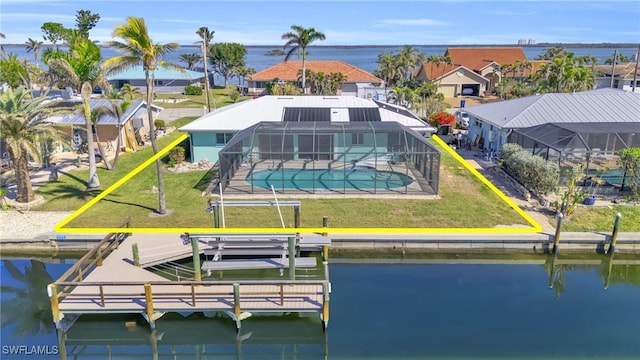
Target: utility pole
[(613, 66), (635, 72)]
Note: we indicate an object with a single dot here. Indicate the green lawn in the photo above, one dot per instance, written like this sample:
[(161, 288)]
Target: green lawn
[(465, 202), (219, 98)]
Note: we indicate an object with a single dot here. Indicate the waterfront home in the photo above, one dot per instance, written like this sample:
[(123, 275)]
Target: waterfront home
[(586, 127), (621, 76), (166, 80), (131, 128), (358, 82), (334, 144)]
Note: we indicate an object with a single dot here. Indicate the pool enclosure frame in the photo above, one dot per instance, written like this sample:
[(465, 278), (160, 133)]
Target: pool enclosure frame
[(387, 147), (594, 145)]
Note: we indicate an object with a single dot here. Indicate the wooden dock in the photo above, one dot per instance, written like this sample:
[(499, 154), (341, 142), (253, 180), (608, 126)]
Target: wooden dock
[(111, 279)]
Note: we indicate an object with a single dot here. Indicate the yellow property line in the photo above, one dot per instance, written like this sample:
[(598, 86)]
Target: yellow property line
[(60, 227)]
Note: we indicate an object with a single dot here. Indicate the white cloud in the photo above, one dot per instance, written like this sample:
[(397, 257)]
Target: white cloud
[(415, 22), (43, 17)]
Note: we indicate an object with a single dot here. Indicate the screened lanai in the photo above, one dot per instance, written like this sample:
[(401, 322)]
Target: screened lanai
[(323, 157), (592, 144)]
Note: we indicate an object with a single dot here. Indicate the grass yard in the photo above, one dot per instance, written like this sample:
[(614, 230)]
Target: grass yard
[(600, 218), (219, 98), (464, 202)]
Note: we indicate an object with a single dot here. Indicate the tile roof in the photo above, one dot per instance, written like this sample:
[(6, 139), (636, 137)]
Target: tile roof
[(137, 73), (582, 107), (434, 72), (477, 58), (625, 71), (245, 114), (137, 107), (288, 71)]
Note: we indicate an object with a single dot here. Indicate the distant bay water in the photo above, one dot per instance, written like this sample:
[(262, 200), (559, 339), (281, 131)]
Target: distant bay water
[(364, 57)]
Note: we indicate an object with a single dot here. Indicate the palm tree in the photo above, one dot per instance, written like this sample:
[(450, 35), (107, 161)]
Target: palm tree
[(299, 40), (81, 67), (388, 69), (34, 45), (191, 59), (29, 308), (408, 58), (206, 35), (139, 48), (23, 129), (116, 108), (129, 91)]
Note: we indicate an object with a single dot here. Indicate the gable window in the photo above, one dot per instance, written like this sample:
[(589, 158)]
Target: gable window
[(223, 138), (357, 139)]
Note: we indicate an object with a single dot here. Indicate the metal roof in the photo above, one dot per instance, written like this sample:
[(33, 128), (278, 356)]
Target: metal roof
[(582, 107), (137, 108), (245, 114), (160, 73)]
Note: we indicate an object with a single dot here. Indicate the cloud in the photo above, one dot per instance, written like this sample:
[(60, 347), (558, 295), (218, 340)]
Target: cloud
[(414, 22), (43, 17)]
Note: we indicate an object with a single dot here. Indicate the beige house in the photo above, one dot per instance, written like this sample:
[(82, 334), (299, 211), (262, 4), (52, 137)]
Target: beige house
[(453, 80), (620, 77)]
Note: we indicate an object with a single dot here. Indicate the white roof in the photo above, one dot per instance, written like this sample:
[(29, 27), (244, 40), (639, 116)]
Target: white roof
[(245, 114)]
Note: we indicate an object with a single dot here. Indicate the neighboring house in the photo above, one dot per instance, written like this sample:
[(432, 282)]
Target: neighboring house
[(358, 82), (211, 133), (453, 80), (623, 76), (486, 61), (132, 127), (166, 80), (597, 111)]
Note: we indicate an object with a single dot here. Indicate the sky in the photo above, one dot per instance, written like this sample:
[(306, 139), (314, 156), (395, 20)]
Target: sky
[(371, 22)]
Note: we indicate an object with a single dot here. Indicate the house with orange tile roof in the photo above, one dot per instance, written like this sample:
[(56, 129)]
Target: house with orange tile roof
[(486, 61), (358, 82)]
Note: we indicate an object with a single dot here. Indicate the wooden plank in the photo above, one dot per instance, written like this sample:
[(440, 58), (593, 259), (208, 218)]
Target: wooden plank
[(248, 264), (248, 252)]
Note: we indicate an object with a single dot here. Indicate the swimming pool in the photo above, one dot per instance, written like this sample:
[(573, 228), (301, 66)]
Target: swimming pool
[(358, 178)]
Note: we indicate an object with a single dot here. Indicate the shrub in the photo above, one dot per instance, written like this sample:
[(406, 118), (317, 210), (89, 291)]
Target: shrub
[(234, 95), (192, 90), (534, 172), (176, 155), (630, 162), (572, 195), (158, 124)]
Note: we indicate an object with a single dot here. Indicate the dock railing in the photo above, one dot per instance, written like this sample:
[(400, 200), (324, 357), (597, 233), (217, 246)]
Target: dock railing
[(88, 262)]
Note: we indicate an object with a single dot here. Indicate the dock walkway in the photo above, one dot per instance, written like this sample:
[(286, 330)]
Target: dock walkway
[(119, 286)]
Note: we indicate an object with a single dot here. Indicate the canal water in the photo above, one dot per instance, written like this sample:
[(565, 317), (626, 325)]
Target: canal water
[(392, 310)]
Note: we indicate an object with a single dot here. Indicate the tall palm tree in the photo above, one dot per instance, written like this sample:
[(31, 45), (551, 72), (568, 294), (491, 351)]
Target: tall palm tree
[(299, 39), (206, 35), (388, 69), (139, 48), (23, 128), (34, 45), (81, 68), (190, 59), (408, 58)]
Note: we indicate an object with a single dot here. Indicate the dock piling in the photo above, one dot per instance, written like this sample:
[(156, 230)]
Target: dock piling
[(52, 291), (236, 304), (614, 234), (196, 259), (292, 257), (325, 306), (136, 254), (325, 248), (149, 305), (296, 217), (556, 237), (99, 257)]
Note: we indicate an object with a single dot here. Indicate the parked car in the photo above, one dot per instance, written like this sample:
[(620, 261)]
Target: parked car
[(462, 119)]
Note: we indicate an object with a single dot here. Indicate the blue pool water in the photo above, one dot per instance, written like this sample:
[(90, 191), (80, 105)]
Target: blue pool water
[(356, 178)]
